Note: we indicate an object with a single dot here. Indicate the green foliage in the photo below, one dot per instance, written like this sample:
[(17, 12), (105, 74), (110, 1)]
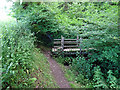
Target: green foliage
[(112, 80), (99, 79), (22, 64), (76, 80), (17, 47), (95, 21), (65, 60), (82, 66), (80, 78), (40, 20)]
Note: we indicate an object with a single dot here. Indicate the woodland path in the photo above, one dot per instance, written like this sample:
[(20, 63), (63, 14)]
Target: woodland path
[(57, 72)]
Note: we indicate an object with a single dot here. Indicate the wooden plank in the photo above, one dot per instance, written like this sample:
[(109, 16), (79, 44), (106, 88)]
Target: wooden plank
[(68, 50), (71, 46), (65, 39), (74, 39), (74, 49), (67, 42), (75, 46), (70, 42), (57, 39), (58, 42)]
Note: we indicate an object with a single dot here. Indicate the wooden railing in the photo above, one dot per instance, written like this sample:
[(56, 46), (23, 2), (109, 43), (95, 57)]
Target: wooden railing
[(71, 45), (67, 44)]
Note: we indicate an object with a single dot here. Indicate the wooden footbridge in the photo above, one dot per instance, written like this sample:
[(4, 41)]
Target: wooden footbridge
[(68, 46)]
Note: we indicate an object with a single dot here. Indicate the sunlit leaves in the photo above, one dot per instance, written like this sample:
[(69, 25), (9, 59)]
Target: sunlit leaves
[(16, 54)]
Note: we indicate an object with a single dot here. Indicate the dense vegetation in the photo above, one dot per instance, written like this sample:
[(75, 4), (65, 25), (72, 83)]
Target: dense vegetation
[(95, 21), (16, 54), (21, 62)]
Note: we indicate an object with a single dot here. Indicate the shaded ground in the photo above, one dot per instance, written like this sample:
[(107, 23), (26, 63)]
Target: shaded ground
[(57, 72)]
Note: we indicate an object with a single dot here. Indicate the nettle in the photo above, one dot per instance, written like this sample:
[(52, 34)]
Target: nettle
[(17, 48)]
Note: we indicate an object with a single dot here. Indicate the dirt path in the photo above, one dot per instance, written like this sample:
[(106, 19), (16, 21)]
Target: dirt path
[(57, 72)]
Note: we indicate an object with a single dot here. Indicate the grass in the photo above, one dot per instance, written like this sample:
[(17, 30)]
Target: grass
[(41, 71)]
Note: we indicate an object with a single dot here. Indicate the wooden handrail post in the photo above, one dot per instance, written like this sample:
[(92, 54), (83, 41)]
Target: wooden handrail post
[(77, 40), (62, 43), (80, 46)]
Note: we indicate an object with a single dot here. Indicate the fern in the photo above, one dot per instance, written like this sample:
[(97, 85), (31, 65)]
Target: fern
[(112, 80), (98, 78)]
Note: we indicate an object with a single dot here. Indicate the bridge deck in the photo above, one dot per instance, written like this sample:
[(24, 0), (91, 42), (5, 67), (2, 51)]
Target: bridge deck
[(74, 49)]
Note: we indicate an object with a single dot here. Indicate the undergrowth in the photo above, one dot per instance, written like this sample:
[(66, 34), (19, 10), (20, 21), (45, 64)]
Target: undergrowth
[(17, 47), (75, 81), (23, 66)]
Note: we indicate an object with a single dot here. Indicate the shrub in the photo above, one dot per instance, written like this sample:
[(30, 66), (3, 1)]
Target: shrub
[(82, 66), (112, 80), (98, 78), (40, 19)]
